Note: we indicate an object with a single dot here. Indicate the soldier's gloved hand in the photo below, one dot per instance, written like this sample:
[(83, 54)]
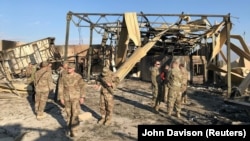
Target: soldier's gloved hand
[(62, 101), (81, 100)]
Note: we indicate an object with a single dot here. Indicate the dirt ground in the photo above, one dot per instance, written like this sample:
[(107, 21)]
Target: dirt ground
[(206, 106)]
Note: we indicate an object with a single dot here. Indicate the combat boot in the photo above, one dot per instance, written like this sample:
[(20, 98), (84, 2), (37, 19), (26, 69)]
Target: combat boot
[(101, 121), (157, 108), (178, 115), (107, 122), (73, 133), (185, 101), (39, 117), (169, 113)]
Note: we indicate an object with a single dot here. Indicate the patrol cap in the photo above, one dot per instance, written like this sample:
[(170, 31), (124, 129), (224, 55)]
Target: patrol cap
[(44, 64), (71, 65), (105, 71), (65, 62)]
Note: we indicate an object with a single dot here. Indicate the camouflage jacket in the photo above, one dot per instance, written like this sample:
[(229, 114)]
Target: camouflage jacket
[(110, 78), (184, 80), (43, 81), (175, 79), (71, 87), (155, 75)]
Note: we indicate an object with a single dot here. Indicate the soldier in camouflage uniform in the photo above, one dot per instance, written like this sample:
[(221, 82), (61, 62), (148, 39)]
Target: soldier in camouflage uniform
[(174, 85), (155, 78), (106, 96), (72, 94), (30, 71), (62, 72), (184, 83), (43, 84)]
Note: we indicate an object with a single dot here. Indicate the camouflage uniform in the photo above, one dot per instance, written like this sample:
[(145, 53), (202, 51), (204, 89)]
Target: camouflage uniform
[(30, 72), (71, 90), (106, 97), (63, 71), (184, 85), (155, 72), (174, 95), (43, 83)]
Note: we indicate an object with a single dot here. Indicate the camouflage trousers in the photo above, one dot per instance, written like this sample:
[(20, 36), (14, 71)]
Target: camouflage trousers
[(106, 105), (72, 109), (174, 101), (184, 97), (166, 89), (40, 102), (155, 91)]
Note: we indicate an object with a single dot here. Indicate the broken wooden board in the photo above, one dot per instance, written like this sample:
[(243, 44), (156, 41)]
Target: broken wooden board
[(138, 54), (244, 84), (85, 116)]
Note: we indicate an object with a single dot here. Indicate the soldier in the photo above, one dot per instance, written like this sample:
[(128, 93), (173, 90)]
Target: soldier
[(30, 71), (43, 83), (184, 83), (107, 83), (72, 94), (174, 85), (165, 78), (155, 73), (163, 88), (62, 72)]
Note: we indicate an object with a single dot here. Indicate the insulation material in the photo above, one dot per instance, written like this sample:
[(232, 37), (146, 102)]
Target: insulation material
[(220, 41), (130, 31)]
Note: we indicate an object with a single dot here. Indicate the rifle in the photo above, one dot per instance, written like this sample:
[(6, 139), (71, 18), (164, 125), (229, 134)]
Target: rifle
[(104, 84)]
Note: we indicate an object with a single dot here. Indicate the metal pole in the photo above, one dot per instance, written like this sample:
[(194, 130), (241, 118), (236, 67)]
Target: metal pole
[(69, 16), (90, 52), (228, 26)]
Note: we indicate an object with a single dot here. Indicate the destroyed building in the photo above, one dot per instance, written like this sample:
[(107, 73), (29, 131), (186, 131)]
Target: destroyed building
[(132, 41)]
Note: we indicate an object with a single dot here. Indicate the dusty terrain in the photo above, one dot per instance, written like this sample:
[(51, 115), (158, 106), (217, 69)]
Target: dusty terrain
[(205, 106)]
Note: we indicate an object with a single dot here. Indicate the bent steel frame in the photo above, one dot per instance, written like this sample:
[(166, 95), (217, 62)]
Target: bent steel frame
[(184, 32)]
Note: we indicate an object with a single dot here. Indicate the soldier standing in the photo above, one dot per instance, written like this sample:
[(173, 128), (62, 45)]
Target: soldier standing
[(155, 78), (165, 78), (62, 72), (43, 84), (29, 73), (72, 94), (174, 85), (107, 83), (184, 83)]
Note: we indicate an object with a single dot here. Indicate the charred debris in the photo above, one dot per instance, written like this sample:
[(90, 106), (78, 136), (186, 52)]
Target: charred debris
[(132, 41)]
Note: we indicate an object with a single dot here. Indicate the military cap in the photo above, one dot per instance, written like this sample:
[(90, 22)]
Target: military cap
[(71, 65), (105, 71), (65, 62), (44, 64)]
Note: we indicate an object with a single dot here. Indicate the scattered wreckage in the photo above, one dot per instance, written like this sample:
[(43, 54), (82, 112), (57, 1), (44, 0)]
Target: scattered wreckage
[(131, 41)]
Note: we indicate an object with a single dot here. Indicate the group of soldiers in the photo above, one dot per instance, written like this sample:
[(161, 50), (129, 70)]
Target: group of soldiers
[(169, 85), (70, 92)]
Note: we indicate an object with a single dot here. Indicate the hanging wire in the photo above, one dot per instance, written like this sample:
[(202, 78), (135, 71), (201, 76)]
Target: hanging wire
[(80, 36)]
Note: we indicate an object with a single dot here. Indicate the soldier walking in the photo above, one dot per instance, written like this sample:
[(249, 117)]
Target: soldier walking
[(72, 94), (107, 83), (43, 84)]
